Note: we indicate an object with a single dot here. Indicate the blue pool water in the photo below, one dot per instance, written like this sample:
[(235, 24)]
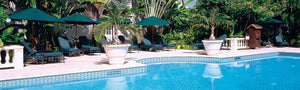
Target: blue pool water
[(275, 73)]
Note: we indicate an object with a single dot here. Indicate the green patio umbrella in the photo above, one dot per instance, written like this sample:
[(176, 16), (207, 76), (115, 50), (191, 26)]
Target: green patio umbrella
[(33, 14), (78, 19), (124, 21), (127, 21), (271, 21), (150, 21)]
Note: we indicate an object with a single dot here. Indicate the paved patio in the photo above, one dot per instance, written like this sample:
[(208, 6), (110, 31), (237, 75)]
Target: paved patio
[(99, 62)]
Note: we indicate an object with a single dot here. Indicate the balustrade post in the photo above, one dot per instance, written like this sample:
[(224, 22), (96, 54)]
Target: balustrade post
[(233, 44), (18, 57), (6, 56)]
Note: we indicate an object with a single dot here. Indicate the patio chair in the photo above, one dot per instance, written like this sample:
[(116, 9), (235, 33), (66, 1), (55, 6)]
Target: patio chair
[(84, 43), (41, 56), (122, 39), (103, 42), (160, 41), (199, 45), (223, 37), (280, 42), (147, 45), (66, 49), (264, 43)]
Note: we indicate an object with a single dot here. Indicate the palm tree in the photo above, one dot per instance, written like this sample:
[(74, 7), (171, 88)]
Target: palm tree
[(212, 21), (116, 19), (94, 9)]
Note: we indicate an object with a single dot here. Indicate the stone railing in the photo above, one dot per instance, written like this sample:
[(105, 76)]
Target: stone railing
[(235, 43), (11, 56)]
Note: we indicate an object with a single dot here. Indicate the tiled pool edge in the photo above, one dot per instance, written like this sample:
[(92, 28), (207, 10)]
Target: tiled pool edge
[(34, 81), (210, 59)]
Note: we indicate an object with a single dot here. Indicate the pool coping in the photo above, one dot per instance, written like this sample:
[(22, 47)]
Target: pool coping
[(209, 59), (89, 75)]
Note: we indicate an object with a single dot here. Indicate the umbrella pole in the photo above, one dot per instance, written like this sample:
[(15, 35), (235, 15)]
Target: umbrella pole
[(32, 46), (76, 36), (153, 29), (152, 35)]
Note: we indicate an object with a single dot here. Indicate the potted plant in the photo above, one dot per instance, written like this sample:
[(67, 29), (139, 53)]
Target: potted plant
[(212, 46), (115, 50)]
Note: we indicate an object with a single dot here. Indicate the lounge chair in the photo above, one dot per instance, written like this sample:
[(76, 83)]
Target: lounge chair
[(122, 39), (266, 44), (41, 56), (66, 49), (147, 45), (280, 42), (199, 45), (223, 37), (103, 42), (160, 41), (84, 44)]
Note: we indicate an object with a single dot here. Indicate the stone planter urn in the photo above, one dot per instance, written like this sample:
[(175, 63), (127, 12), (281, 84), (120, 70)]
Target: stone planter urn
[(212, 47), (116, 53)]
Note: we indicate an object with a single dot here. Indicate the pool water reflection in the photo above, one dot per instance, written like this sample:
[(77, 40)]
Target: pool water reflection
[(279, 73)]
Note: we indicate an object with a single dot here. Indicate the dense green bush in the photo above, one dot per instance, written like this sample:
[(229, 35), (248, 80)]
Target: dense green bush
[(8, 37), (295, 42), (237, 35)]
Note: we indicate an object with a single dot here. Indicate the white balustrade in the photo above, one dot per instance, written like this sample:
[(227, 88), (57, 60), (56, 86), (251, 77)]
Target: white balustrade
[(16, 60), (235, 43)]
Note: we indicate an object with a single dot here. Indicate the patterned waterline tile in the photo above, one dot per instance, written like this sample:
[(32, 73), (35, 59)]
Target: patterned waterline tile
[(35, 81), (210, 59)]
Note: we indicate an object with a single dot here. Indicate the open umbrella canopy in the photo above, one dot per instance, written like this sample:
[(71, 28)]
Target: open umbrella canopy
[(271, 21), (125, 21), (150, 21), (100, 20), (33, 14), (78, 19)]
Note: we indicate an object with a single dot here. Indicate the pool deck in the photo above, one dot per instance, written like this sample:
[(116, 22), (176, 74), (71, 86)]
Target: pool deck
[(98, 62)]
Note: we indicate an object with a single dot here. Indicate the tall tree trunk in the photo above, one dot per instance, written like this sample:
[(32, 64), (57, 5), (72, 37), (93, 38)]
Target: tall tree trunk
[(212, 37)]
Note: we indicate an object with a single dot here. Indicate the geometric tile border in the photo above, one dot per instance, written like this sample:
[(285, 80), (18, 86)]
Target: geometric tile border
[(35, 81), (198, 59)]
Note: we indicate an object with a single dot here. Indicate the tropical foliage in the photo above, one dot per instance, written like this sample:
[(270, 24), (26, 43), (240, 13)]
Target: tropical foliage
[(212, 20), (246, 12), (3, 16), (243, 12), (117, 20), (94, 9), (189, 25), (157, 8), (181, 39), (8, 38)]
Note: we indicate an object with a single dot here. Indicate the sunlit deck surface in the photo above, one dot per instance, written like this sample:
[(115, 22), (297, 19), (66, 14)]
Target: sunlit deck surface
[(98, 62)]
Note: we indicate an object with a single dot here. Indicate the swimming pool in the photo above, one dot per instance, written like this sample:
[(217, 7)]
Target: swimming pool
[(268, 71)]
